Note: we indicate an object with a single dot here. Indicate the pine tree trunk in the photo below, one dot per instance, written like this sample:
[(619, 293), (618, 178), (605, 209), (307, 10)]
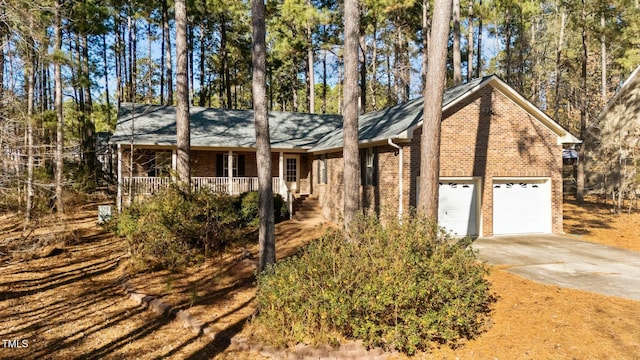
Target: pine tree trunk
[(134, 57), (584, 104), (350, 117), (167, 65), (294, 92), (603, 59), (324, 82), (226, 76), (190, 65), (457, 58), (430, 142), (470, 43), (30, 76), (311, 81), (130, 79), (2, 61), (373, 84), (117, 50), (163, 9), (426, 39), (266, 232), (89, 127), (106, 76), (203, 88), (507, 46), (149, 92), (182, 93), (479, 52), (57, 75), (556, 95), (363, 75)]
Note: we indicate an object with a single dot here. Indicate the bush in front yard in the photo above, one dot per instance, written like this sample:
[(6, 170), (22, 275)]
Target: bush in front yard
[(399, 285), (174, 229), (250, 208)]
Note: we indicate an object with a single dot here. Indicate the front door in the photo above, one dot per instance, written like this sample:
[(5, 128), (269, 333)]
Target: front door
[(292, 172)]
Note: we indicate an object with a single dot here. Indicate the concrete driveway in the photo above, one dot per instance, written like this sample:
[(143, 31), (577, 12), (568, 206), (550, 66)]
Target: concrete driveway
[(566, 262)]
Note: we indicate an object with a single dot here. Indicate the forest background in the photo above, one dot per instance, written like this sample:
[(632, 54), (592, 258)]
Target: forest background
[(66, 66)]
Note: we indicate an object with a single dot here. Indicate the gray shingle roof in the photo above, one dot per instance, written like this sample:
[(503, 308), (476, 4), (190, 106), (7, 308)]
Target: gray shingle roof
[(156, 125), (390, 122)]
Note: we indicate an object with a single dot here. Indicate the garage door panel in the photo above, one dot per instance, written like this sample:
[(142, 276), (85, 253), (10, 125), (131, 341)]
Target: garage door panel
[(457, 204), (521, 207)]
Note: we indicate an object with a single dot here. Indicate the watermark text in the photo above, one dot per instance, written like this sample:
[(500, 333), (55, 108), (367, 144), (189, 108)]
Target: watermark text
[(15, 343)]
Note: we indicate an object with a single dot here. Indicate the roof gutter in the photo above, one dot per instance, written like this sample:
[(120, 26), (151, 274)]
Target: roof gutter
[(400, 178)]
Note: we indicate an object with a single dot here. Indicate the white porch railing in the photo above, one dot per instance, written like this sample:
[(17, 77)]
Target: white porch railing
[(143, 185)]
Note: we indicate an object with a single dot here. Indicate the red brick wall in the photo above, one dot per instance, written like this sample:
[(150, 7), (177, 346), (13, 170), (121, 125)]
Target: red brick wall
[(380, 198), (490, 136), (143, 161), (330, 195), (486, 136)]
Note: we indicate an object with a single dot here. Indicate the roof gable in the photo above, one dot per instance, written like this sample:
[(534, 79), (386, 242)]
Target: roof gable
[(623, 89), (401, 120), (620, 118)]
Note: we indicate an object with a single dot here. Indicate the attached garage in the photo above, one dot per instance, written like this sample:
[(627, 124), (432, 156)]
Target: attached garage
[(458, 205), (521, 206)]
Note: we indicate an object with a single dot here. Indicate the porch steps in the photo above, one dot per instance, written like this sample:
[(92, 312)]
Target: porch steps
[(306, 207)]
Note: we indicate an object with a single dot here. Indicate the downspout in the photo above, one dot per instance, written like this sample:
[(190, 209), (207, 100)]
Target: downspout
[(400, 177)]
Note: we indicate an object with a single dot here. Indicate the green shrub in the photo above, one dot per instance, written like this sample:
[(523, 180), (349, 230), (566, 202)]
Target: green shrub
[(174, 229), (399, 285), (250, 209)]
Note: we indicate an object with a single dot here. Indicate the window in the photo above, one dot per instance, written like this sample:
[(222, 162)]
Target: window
[(291, 170), (225, 165), (222, 165), (322, 169), (368, 165), (161, 165)]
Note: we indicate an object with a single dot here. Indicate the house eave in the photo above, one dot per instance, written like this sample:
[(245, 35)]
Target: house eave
[(563, 135)]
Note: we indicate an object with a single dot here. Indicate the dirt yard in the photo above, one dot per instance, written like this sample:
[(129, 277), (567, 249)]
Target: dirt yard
[(65, 301)]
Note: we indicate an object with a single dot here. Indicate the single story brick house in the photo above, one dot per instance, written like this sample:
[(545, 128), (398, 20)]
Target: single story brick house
[(612, 142), (501, 157)]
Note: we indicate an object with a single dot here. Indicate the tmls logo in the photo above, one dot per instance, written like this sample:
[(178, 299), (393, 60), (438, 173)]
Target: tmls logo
[(15, 344)]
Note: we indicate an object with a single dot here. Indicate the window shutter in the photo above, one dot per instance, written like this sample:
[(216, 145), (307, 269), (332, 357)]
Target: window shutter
[(374, 180), (220, 165), (241, 165), (363, 167), (324, 170), (151, 171)]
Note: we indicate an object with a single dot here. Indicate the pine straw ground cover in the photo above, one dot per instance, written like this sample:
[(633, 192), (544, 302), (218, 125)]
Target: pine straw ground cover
[(67, 303)]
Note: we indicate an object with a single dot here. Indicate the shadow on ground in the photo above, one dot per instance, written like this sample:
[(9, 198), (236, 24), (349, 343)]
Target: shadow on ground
[(582, 219), (70, 304)]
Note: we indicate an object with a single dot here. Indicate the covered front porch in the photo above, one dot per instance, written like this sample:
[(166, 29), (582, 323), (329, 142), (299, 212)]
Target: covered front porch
[(229, 171), (145, 185)]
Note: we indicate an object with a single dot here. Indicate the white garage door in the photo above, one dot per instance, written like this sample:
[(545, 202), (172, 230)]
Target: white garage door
[(521, 207), (457, 207)]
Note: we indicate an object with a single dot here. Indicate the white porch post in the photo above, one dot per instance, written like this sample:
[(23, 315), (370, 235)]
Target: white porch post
[(230, 171), (174, 162), (281, 174), (119, 193)]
